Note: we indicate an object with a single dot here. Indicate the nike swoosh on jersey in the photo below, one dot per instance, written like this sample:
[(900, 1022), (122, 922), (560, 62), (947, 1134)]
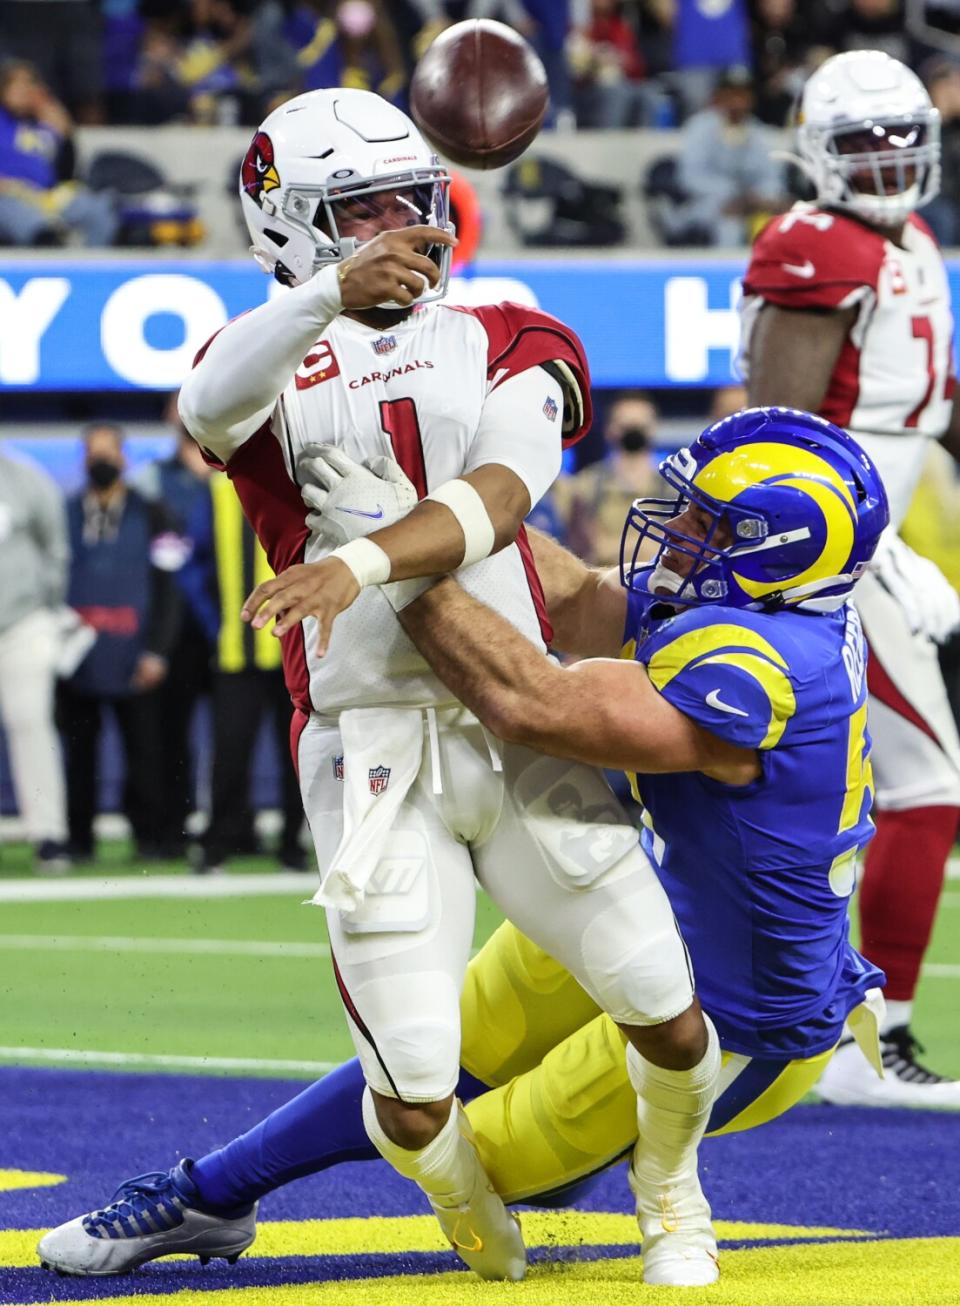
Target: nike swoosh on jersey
[(359, 512), (805, 270), (713, 700)]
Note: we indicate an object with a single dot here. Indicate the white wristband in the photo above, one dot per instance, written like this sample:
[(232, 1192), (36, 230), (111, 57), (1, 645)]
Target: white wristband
[(368, 562), (471, 512)]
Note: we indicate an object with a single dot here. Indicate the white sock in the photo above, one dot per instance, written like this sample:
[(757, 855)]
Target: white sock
[(897, 1013), (673, 1107), (447, 1169)]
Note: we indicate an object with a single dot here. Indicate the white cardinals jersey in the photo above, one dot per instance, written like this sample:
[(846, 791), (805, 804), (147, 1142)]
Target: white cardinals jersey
[(415, 392), (893, 383)]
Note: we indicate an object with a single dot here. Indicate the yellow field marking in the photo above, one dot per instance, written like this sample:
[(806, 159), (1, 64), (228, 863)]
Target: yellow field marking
[(421, 1233), (921, 1271), (11, 1179)]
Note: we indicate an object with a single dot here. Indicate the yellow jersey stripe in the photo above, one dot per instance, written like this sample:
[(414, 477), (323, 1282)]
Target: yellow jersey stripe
[(668, 661)]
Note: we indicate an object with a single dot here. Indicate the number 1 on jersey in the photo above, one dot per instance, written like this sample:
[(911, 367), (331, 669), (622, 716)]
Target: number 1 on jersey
[(399, 420)]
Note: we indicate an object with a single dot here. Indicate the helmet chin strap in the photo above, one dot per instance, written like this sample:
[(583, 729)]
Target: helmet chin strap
[(268, 262), (662, 578)]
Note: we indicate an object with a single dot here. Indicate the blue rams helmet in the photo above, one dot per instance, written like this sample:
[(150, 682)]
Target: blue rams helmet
[(802, 503)]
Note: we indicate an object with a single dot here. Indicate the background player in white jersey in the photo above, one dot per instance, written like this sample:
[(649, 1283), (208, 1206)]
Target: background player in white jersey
[(407, 796), (846, 312)]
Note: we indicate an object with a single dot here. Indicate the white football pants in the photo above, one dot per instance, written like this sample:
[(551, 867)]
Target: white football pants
[(916, 752), (551, 846)]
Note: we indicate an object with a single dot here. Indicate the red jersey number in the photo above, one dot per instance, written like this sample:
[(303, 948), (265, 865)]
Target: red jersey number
[(923, 330), (398, 418)]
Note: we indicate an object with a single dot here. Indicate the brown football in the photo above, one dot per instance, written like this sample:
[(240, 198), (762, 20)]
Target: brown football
[(479, 94)]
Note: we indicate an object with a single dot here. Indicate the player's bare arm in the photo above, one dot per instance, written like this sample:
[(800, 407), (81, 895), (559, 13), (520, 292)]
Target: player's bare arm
[(587, 606), (603, 711), (429, 542), (793, 353)]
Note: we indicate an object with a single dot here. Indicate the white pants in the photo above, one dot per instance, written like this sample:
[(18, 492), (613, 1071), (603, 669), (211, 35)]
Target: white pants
[(27, 679), (551, 846), (916, 752)]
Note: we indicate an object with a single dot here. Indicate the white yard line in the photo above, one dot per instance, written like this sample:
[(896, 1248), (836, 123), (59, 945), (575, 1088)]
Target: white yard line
[(280, 883), (285, 883), (235, 948), (147, 1061), (134, 943)]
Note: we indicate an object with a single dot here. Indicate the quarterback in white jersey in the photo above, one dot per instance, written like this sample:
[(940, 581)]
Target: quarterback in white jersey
[(846, 312), (408, 797)]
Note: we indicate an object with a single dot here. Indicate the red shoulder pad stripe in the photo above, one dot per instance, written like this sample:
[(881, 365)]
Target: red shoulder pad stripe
[(520, 338)]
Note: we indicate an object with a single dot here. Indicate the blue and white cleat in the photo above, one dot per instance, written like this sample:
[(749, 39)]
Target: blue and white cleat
[(157, 1214)]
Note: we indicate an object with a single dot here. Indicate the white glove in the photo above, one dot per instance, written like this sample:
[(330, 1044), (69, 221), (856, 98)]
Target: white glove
[(930, 603), (349, 500)]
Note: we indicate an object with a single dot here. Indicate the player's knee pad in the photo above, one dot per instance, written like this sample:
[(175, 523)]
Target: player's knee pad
[(640, 976), (416, 1056)]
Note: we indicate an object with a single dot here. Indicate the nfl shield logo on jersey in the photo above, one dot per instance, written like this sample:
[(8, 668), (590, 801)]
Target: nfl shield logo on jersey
[(385, 345), (338, 767), (550, 408), (379, 777)]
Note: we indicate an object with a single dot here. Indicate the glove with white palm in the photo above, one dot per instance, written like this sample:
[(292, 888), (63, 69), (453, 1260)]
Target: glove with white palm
[(930, 603), (349, 500)]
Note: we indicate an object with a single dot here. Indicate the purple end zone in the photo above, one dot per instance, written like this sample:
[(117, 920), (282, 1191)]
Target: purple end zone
[(882, 1171)]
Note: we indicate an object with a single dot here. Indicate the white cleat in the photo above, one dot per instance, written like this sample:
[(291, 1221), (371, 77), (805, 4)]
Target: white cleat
[(485, 1235), (150, 1216), (677, 1239), (850, 1080)]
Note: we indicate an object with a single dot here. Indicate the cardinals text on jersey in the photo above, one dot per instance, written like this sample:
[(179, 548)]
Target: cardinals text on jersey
[(419, 401)]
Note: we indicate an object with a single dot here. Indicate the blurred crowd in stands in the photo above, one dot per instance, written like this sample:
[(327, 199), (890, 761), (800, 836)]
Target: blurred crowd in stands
[(725, 72), (122, 601)]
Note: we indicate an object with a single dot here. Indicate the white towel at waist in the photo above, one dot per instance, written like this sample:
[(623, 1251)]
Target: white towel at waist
[(382, 752)]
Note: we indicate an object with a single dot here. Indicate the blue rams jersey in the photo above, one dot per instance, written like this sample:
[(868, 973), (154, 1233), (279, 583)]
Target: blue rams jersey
[(759, 876)]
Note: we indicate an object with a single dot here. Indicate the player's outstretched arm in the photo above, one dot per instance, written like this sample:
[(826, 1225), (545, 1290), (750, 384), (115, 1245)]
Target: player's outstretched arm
[(432, 540), (602, 711), (233, 388), (793, 353), (587, 606)]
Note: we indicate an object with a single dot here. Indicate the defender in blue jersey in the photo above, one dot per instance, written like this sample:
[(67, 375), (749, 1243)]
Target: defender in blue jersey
[(759, 876), (739, 711)]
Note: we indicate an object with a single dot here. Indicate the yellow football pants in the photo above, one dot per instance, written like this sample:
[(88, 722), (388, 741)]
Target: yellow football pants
[(562, 1106)]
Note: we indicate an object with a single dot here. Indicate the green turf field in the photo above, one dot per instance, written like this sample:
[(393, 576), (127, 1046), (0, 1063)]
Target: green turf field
[(242, 978)]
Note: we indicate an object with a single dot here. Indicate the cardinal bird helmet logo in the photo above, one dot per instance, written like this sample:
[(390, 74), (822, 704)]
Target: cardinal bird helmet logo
[(258, 172)]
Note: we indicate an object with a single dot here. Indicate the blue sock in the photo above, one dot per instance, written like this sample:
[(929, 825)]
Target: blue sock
[(320, 1127)]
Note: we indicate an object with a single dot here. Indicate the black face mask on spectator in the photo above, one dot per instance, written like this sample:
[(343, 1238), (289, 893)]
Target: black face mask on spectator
[(634, 439), (102, 473)]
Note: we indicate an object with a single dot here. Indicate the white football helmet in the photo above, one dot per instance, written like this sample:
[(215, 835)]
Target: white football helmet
[(326, 149), (869, 137)]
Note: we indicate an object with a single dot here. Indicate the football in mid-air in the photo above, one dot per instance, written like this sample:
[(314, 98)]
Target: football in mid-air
[(479, 94)]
